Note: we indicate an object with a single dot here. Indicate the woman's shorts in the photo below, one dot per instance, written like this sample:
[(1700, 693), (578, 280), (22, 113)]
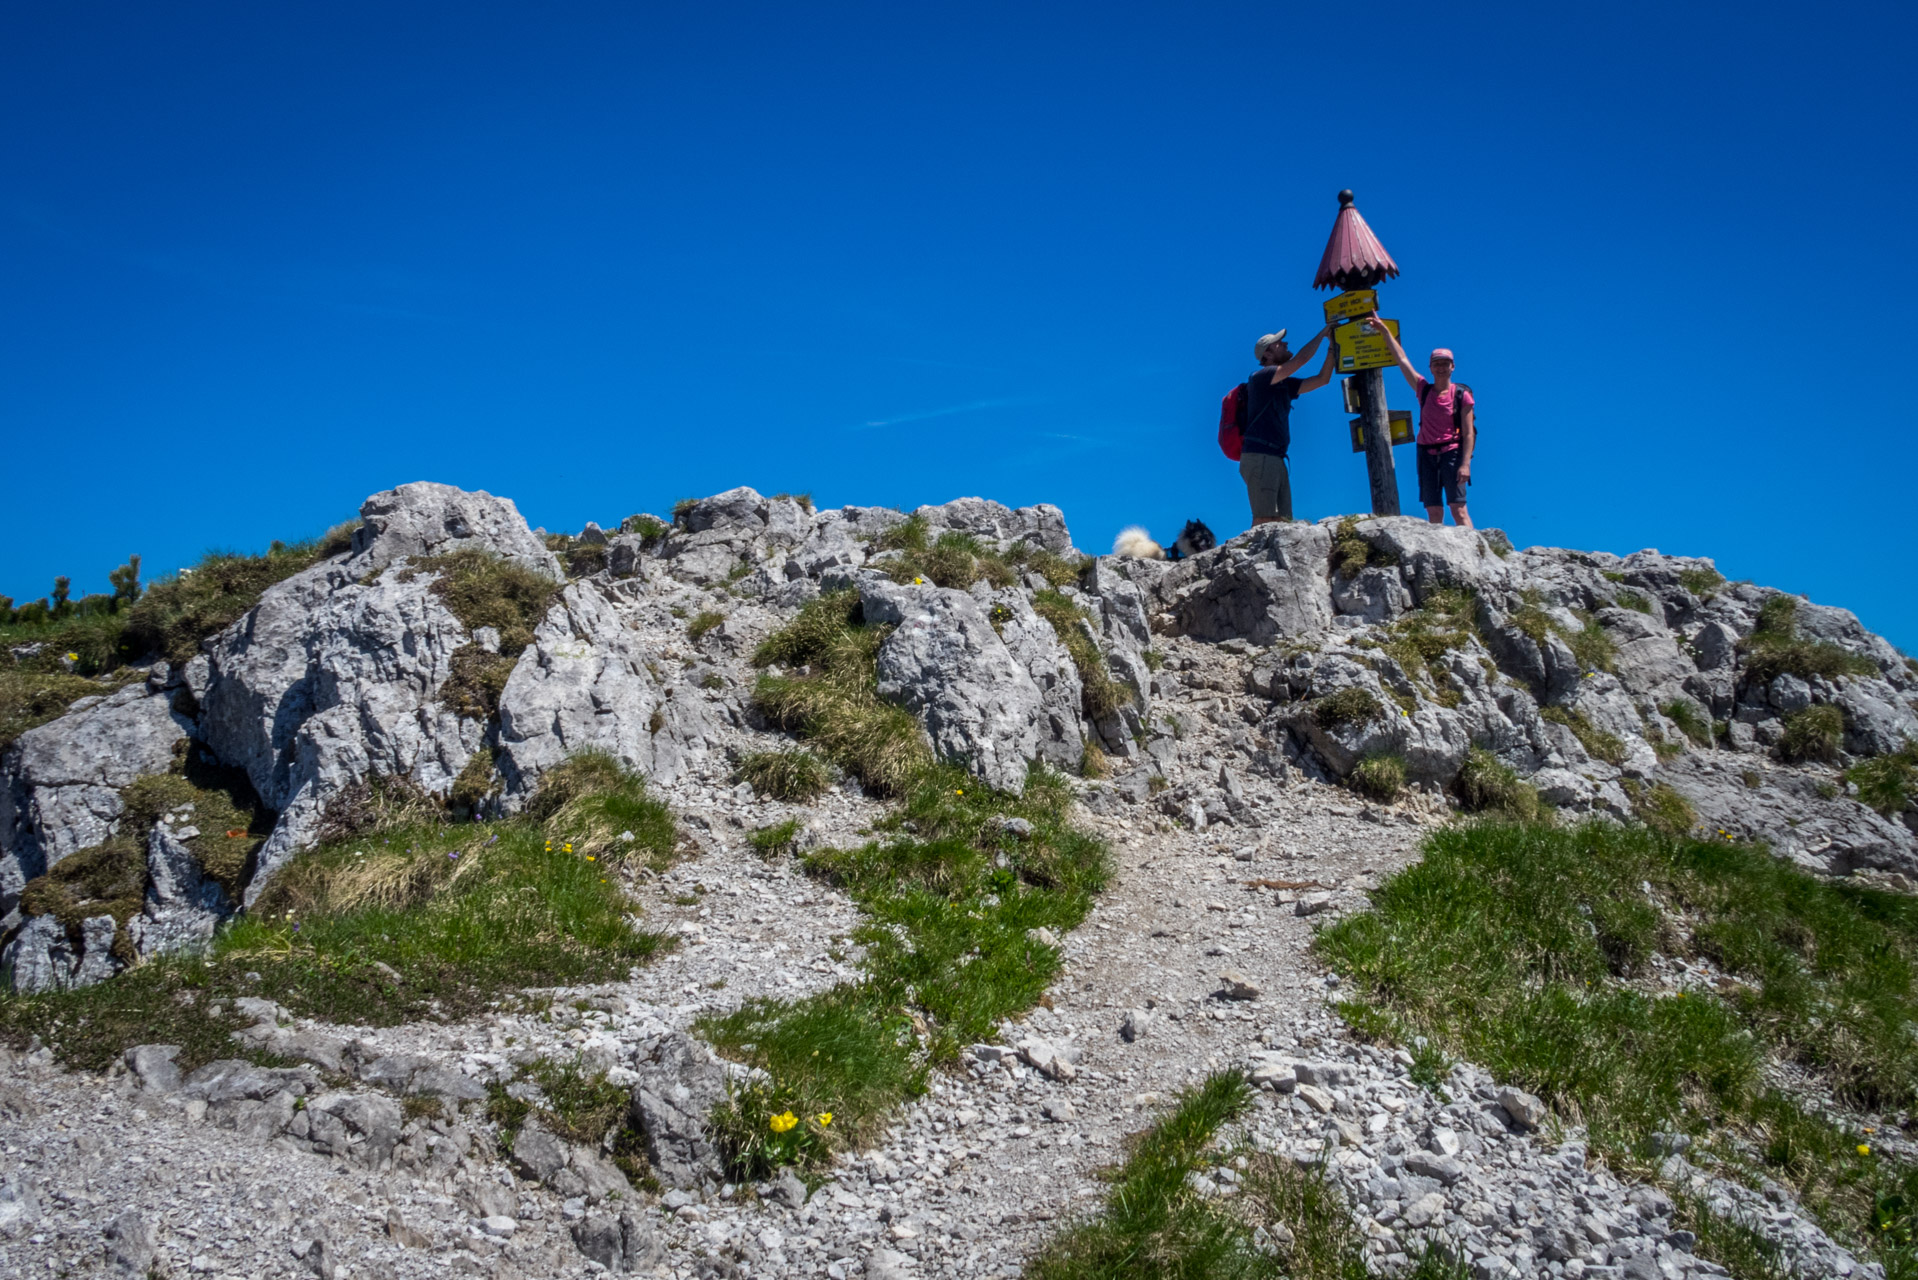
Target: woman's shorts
[(1438, 476)]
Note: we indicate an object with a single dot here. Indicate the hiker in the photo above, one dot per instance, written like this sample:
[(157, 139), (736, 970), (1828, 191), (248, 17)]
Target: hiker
[(1447, 431), (1268, 421)]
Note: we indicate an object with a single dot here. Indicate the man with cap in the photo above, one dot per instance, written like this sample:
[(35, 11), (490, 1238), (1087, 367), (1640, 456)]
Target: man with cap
[(1447, 431), (1269, 394)]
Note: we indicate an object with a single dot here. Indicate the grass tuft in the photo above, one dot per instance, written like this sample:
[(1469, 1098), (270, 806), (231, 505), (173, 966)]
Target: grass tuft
[(1101, 694), (1701, 582), (703, 622), (1888, 783), (1597, 742), (1812, 733), (1774, 648), (483, 590), (1352, 706), (1692, 722), (1379, 777), (796, 775), (1488, 785)]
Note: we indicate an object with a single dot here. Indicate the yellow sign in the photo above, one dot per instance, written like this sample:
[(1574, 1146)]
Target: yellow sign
[(1360, 348), (1351, 304), (1401, 424)]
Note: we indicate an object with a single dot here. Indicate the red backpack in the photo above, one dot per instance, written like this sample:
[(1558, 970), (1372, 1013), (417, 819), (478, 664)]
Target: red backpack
[(1232, 422)]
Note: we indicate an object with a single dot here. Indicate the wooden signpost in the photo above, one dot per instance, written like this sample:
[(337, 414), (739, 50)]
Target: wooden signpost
[(1354, 263)]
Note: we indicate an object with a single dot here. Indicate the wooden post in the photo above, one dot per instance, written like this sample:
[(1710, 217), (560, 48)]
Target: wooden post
[(1378, 443)]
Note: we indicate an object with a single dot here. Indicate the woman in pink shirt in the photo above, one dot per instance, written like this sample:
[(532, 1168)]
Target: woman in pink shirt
[(1446, 433)]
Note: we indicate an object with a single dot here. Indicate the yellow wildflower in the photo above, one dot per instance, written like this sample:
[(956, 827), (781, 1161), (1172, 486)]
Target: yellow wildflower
[(73, 657), (591, 858), (1864, 1148), (783, 1121), (569, 846), (824, 1118)]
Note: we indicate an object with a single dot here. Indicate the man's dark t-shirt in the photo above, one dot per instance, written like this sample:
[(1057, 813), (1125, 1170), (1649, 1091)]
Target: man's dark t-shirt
[(1268, 414)]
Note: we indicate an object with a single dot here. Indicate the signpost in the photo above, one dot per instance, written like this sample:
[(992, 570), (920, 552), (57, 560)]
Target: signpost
[(1360, 348), (1354, 263), (1402, 431)]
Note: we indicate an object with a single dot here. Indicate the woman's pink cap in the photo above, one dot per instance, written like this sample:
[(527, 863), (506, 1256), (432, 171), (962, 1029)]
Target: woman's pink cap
[(1442, 353)]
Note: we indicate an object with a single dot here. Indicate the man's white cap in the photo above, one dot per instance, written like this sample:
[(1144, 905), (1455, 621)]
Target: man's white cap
[(1269, 340)]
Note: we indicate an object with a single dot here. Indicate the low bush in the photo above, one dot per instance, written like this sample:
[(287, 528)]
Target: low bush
[(1352, 706), (484, 590), (1487, 785), (797, 774), (1774, 648), (1379, 777), (1887, 783), (1812, 733)]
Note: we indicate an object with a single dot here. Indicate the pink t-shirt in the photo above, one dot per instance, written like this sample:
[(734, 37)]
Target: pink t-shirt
[(1438, 418)]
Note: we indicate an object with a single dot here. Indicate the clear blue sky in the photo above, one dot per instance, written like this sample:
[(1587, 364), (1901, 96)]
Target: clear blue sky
[(259, 261)]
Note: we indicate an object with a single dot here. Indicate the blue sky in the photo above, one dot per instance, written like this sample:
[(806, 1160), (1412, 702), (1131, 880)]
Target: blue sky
[(259, 261)]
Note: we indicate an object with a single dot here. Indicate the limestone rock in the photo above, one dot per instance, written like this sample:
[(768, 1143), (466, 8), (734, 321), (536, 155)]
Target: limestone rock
[(60, 783), (679, 1083), (183, 907), (945, 664)]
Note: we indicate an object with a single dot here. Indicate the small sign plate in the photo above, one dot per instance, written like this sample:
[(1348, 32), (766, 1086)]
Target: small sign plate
[(1360, 348), (1351, 305), (1401, 423)]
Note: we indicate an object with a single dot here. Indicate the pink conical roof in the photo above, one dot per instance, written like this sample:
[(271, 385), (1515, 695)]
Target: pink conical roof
[(1354, 258)]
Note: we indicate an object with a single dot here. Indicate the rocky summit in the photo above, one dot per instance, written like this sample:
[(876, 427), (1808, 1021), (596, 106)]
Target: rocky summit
[(258, 830)]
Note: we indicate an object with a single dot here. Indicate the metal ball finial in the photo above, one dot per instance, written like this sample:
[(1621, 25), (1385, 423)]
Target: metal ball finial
[(1345, 198)]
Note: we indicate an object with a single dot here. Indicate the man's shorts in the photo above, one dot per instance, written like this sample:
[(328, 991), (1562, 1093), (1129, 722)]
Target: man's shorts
[(1438, 476), (1267, 484)]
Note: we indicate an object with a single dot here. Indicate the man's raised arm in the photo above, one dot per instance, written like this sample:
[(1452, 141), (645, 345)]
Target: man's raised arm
[(1324, 375), (1297, 362), (1377, 325)]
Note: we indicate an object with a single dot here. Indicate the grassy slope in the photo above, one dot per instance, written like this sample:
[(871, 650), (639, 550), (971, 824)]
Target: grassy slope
[(1529, 949), (460, 912)]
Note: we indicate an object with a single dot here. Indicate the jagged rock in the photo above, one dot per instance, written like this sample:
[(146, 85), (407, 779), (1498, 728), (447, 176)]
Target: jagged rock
[(60, 783), (1796, 811), (42, 957), (1269, 584), (130, 1239), (1375, 595), (998, 525), (585, 683), (945, 664), (152, 1065), (360, 1126), (427, 519), (679, 1083), (623, 1243), (1036, 647), (183, 907)]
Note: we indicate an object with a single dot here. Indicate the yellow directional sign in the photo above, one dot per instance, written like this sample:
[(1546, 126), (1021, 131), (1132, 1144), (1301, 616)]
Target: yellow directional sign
[(1360, 348), (1401, 423), (1351, 304)]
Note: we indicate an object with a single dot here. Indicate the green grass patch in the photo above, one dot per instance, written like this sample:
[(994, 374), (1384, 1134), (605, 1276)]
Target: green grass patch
[(780, 837), (1101, 695), (795, 774), (1774, 648), (947, 912), (954, 560), (460, 912), (1488, 785), (1599, 743), (1691, 722), (1812, 733), (1351, 553), (1592, 647), (1636, 601), (833, 698), (1663, 809), (1285, 1222), (1529, 949), (1887, 783), (1379, 777), (177, 613), (1703, 583), (703, 622), (580, 1107), (1443, 623), (1352, 706), (29, 698), (483, 590)]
